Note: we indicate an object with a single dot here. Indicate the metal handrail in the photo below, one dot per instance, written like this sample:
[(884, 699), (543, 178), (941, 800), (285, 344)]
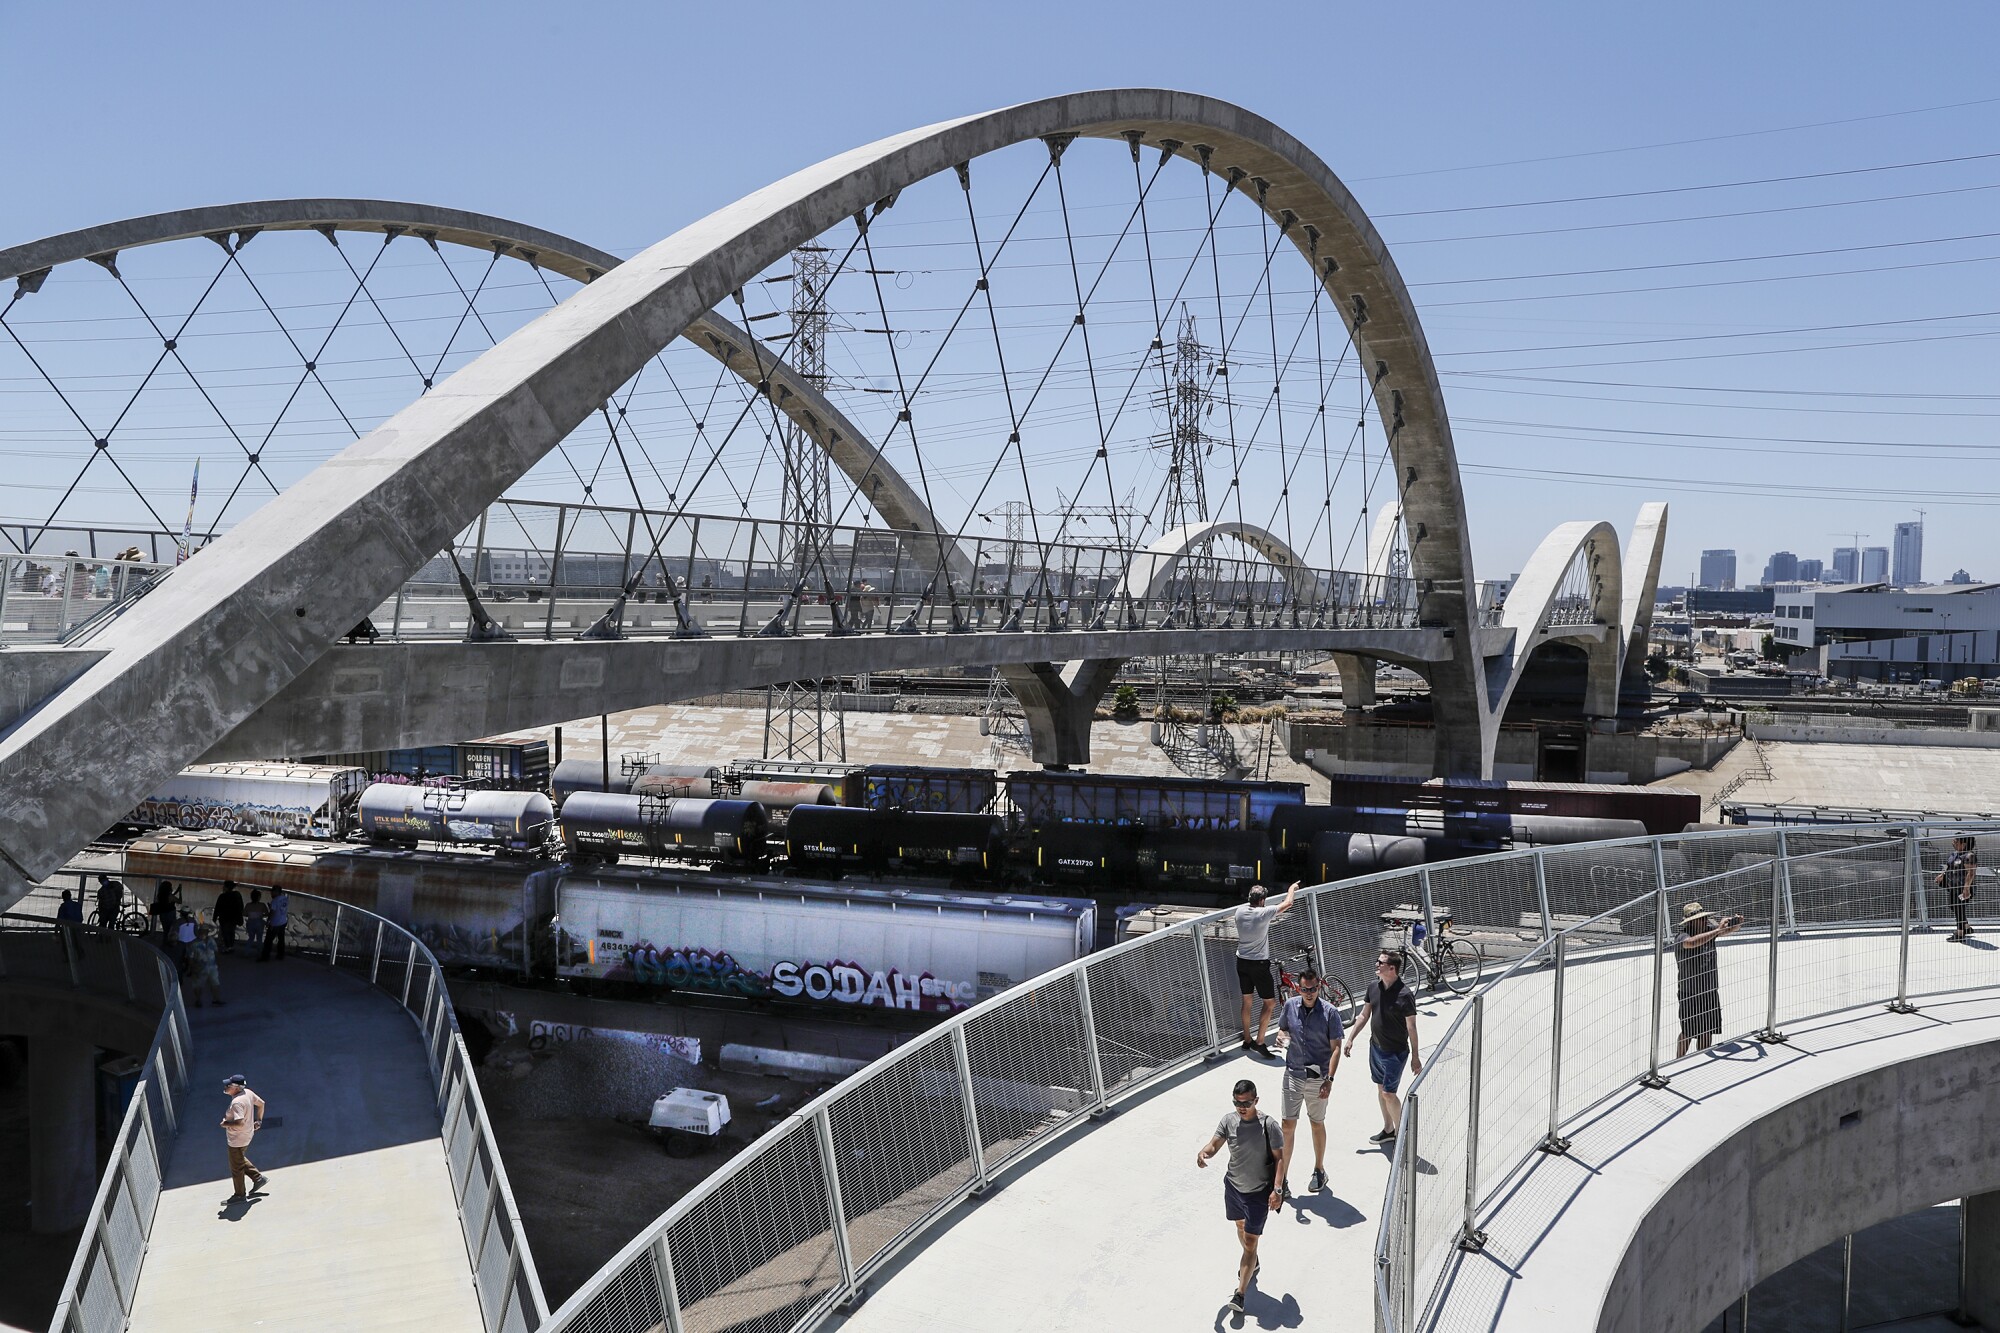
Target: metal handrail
[(107, 1258), (653, 1258), (1403, 1303), (508, 1284)]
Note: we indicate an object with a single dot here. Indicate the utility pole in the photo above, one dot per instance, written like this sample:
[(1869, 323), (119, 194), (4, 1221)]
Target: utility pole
[(799, 720)]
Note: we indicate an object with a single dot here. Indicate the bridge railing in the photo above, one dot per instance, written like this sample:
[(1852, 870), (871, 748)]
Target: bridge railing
[(551, 569), (58, 599), (103, 1277), (1600, 1004), (397, 963)]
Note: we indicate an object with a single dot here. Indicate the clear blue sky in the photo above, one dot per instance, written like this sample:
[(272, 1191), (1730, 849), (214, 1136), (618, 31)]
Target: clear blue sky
[(619, 123)]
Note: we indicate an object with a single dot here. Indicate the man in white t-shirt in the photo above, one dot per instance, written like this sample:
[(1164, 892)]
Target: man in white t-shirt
[(1253, 960), (240, 1124)]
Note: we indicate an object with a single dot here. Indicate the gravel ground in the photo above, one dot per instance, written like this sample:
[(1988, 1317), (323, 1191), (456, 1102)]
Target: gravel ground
[(586, 1175)]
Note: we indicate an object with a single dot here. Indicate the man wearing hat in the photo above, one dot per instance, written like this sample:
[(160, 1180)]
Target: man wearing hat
[(239, 1124), (1694, 954)]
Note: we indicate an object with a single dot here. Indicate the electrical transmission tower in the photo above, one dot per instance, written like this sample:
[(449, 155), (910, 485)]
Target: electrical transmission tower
[(800, 721), (1186, 400), (1205, 749)]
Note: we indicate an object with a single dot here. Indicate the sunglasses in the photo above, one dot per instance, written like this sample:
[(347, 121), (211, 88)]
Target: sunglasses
[(1242, 1105)]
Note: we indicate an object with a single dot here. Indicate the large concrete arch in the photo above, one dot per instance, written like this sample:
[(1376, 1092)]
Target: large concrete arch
[(846, 444), (1531, 602), (1644, 548), (229, 631)]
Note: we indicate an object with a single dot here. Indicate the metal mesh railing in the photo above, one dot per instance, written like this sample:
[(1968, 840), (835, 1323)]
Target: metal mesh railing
[(103, 1277), (1573, 950), (397, 963), (1611, 997)]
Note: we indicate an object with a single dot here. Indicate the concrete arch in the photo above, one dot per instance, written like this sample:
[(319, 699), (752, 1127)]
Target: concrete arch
[(1153, 568), (846, 444), (1644, 548), (228, 632), (1531, 602)]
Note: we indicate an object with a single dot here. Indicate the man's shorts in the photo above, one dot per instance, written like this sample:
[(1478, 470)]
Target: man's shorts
[(1253, 975), (1386, 1067), (1304, 1090), (1249, 1209)]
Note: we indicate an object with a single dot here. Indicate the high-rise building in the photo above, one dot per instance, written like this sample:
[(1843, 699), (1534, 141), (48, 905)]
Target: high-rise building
[(1718, 569), (1783, 568), (1908, 569), (1960, 576), (1846, 564), (1811, 571), (1874, 564)]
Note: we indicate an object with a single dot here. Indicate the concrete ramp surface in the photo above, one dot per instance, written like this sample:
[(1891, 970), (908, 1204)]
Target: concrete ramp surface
[(357, 1227)]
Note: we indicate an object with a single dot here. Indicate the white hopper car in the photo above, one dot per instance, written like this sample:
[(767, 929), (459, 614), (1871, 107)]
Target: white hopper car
[(293, 800), (836, 945)]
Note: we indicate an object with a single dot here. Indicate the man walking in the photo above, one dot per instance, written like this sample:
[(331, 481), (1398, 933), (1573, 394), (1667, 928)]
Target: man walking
[(110, 901), (228, 914), (1312, 1052), (240, 1124), (274, 925), (1390, 1015), (1250, 1184), (1253, 960)]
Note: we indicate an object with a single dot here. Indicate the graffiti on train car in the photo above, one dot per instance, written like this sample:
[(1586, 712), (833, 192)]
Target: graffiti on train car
[(833, 982)]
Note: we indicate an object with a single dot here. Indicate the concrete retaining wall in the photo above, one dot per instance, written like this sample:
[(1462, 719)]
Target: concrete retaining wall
[(1884, 1143), (1404, 750), (1941, 737)]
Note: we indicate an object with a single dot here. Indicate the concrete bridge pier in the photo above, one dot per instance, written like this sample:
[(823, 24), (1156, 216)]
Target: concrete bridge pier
[(1059, 702), (62, 1131), (1979, 1283), (1357, 679)]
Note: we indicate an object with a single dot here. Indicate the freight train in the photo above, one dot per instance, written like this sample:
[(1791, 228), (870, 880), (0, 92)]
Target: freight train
[(898, 951)]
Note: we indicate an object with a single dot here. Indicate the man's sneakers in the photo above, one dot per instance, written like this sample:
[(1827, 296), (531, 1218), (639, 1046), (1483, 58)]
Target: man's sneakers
[(1236, 1301), (1318, 1181), (257, 1181), (1386, 1136), (1258, 1047)]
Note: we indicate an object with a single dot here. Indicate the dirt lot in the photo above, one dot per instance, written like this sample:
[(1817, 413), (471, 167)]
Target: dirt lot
[(587, 1176)]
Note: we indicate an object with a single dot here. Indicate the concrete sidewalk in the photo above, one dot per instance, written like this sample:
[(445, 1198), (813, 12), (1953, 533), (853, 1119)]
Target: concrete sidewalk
[(357, 1227), (1116, 1228)]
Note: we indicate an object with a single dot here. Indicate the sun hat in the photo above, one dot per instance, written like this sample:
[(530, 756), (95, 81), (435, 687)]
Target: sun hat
[(1691, 911)]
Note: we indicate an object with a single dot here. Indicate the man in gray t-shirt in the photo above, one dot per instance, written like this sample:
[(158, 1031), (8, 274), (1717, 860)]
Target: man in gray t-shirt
[(1253, 959), (1250, 1185)]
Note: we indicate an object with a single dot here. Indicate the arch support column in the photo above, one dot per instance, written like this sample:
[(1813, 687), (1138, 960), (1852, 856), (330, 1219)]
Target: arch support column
[(1357, 679), (1060, 703)]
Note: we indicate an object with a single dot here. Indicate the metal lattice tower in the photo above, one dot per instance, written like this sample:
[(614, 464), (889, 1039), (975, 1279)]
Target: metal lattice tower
[(799, 720), (1205, 749), (1187, 401)]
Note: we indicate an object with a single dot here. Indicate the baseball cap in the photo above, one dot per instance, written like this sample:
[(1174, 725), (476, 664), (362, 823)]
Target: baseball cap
[(236, 1079)]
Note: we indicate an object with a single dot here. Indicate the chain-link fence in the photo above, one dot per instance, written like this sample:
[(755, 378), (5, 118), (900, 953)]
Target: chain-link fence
[(103, 1277)]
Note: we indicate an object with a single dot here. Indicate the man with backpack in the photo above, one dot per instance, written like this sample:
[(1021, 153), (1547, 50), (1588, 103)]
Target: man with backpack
[(1250, 1183)]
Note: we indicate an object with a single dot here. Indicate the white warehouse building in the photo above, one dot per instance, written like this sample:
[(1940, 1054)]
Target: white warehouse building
[(1870, 631)]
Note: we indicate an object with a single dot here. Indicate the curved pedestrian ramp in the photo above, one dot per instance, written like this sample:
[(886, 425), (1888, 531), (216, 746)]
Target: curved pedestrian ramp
[(385, 1205), (1117, 1227), (357, 1227)]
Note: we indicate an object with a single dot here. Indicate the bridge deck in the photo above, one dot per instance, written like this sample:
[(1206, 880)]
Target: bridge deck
[(1116, 1228), (358, 1227)]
